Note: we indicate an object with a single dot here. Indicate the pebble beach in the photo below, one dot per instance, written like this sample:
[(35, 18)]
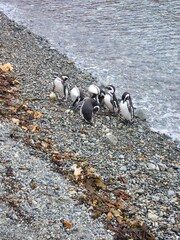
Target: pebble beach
[(38, 197)]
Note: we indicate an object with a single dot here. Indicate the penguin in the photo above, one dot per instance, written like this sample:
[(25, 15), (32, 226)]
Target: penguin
[(110, 100), (126, 107), (60, 87), (94, 91), (88, 108), (101, 98), (77, 95)]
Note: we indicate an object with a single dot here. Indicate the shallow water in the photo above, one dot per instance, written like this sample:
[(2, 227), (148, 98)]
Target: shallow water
[(132, 44)]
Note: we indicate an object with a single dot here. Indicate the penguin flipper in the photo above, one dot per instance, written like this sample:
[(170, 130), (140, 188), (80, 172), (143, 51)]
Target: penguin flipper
[(130, 108)]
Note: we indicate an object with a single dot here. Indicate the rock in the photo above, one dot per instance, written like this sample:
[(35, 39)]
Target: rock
[(111, 139), (94, 140), (140, 191), (155, 198), (151, 166), (152, 216), (162, 166), (140, 114), (52, 96), (140, 130), (172, 220), (69, 111), (108, 118), (176, 230), (123, 168), (170, 193), (156, 224), (83, 135), (105, 129)]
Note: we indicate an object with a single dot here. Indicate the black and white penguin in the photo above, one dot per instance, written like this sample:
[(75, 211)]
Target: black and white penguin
[(88, 108), (110, 100), (77, 95), (60, 87), (126, 107), (101, 98), (94, 92)]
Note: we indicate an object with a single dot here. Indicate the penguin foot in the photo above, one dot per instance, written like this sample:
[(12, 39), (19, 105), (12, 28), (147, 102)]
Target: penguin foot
[(114, 114), (59, 100), (127, 122)]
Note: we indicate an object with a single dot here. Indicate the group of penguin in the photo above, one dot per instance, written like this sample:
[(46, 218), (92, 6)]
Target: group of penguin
[(97, 98)]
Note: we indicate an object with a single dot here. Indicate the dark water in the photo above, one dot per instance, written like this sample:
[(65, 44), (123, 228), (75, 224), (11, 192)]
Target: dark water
[(132, 44)]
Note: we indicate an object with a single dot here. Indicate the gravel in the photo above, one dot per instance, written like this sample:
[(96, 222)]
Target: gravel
[(42, 198), (34, 199)]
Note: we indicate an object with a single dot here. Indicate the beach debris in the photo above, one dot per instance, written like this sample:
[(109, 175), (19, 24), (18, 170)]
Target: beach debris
[(6, 67)]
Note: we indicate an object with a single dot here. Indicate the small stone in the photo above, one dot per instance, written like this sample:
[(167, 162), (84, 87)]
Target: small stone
[(68, 111), (140, 130), (123, 168), (73, 193), (108, 118), (140, 114), (93, 140), (155, 198), (52, 96), (151, 166), (156, 224), (111, 139), (140, 191), (152, 216), (162, 167), (171, 193), (176, 230), (172, 220), (105, 129), (83, 136)]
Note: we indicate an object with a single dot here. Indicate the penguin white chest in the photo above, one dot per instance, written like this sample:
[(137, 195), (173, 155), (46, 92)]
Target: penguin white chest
[(125, 111), (107, 102), (58, 87), (75, 93)]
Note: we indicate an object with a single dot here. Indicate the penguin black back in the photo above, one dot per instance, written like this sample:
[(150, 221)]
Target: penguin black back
[(88, 108)]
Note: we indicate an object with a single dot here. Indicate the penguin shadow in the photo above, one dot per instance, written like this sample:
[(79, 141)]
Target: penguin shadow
[(104, 112), (61, 101), (127, 122)]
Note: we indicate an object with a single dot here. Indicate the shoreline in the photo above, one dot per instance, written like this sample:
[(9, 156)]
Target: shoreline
[(146, 159)]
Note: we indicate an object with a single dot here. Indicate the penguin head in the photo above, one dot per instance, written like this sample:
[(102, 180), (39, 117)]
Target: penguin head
[(125, 97), (111, 89), (96, 109), (64, 78), (93, 89)]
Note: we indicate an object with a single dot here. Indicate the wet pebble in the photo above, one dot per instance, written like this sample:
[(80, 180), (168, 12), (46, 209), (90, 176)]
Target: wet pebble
[(170, 193)]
